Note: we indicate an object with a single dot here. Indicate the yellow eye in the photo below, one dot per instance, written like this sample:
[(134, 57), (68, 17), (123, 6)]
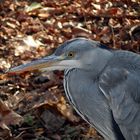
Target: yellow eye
[(71, 54)]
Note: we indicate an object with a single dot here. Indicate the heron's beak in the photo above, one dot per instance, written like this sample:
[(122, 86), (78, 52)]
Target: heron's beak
[(48, 63)]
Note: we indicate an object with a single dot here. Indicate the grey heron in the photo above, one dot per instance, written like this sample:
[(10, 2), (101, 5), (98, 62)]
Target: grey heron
[(103, 85)]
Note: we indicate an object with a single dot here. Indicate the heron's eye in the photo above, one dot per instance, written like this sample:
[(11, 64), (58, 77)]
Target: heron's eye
[(71, 54)]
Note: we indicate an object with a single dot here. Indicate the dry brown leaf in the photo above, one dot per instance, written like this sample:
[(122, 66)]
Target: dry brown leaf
[(32, 7), (8, 116), (114, 11), (79, 31), (66, 110)]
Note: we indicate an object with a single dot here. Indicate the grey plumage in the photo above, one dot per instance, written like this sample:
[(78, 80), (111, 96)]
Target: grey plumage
[(103, 86)]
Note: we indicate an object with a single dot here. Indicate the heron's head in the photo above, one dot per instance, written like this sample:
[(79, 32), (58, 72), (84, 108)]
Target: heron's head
[(78, 53)]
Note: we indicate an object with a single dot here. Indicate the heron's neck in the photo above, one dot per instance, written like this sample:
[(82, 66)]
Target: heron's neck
[(99, 61)]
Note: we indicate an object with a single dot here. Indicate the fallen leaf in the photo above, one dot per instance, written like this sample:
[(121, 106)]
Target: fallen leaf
[(8, 116), (32, 7), (30, 41)]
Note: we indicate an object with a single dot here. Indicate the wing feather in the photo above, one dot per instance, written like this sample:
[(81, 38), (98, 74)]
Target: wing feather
[(122, 89)]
